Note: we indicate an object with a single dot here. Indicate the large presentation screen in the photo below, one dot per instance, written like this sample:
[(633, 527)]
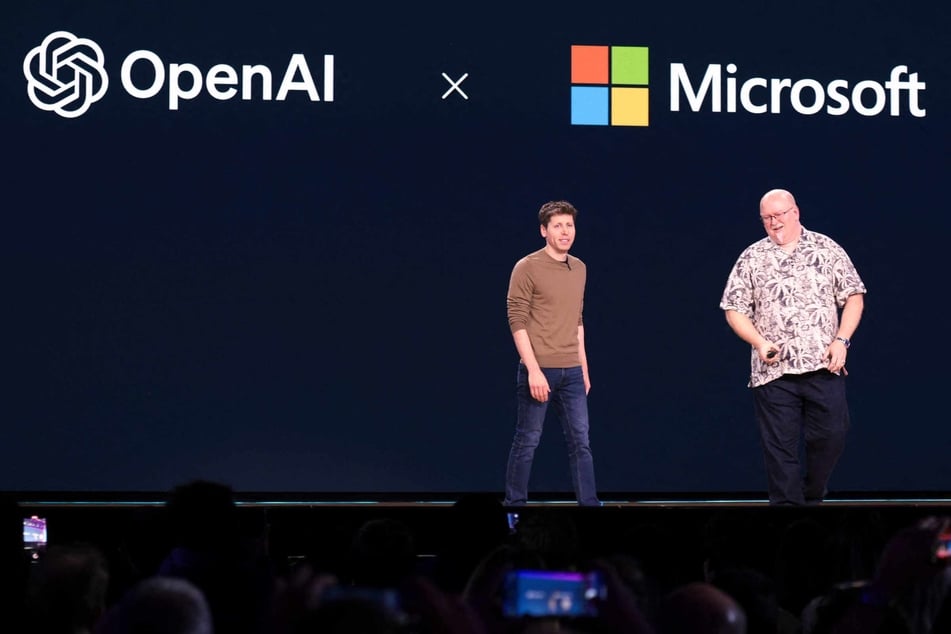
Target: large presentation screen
[(269, 243)]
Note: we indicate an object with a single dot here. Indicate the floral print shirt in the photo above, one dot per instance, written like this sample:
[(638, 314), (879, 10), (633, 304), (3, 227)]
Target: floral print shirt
[(793, 299)]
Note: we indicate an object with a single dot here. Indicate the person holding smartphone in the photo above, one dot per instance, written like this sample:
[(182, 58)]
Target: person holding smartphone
[(784, 297), (545, 301)]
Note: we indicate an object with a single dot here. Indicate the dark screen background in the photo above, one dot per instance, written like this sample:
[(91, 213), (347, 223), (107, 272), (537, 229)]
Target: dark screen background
[(298, 296)]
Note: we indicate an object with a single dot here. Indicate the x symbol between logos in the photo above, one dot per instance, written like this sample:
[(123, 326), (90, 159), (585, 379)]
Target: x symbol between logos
[(454, 86)]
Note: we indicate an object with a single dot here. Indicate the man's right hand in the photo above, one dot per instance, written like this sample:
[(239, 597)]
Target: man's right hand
[(538, 385), (768, 353)]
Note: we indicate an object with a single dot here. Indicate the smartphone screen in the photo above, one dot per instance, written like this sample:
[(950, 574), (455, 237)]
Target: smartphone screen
[(34, 535), (542, 593), (512, 519)]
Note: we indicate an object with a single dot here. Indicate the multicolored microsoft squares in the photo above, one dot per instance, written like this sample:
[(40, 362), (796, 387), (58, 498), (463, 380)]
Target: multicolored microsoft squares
[(609, 85)]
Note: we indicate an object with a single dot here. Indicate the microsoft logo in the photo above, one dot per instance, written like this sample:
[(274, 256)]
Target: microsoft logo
[(609, 85)]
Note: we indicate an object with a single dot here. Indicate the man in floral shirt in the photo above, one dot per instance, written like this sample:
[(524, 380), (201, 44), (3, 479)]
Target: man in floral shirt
[(784, 298)]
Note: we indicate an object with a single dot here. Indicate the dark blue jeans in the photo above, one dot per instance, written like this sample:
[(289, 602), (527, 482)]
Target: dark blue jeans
[(570, 401), (807, 407)]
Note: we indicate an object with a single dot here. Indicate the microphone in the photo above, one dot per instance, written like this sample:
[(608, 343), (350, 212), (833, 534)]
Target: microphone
[(567, 263)]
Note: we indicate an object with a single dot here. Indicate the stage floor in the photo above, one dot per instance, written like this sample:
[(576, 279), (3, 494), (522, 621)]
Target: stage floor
[(298, 524), (120, 499)]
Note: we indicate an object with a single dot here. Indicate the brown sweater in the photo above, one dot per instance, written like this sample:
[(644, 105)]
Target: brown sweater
[(546, 298)]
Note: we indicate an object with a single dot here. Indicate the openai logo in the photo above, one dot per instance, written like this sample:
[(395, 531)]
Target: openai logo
[(65, 74)]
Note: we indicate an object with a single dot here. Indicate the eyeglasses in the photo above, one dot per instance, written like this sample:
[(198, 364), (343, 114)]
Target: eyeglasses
[(779, 216)]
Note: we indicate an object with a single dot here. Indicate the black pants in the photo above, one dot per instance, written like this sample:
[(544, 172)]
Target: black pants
[(810, 407)]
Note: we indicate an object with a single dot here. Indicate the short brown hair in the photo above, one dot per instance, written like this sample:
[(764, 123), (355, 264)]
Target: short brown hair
[(554, 208)]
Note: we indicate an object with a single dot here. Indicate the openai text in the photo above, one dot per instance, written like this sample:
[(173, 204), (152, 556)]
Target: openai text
[(185, 81)]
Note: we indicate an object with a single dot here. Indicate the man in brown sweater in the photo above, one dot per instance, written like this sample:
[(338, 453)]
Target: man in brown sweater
[(545, 301)]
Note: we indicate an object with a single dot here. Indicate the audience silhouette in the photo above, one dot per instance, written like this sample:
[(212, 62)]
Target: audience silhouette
[(733, 571), (701, 608), (13, 564), (220, 555), (159, 605), (383, 553), (67, 589)]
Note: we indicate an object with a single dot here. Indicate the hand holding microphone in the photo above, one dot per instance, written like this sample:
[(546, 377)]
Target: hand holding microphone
[(772, 353)]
